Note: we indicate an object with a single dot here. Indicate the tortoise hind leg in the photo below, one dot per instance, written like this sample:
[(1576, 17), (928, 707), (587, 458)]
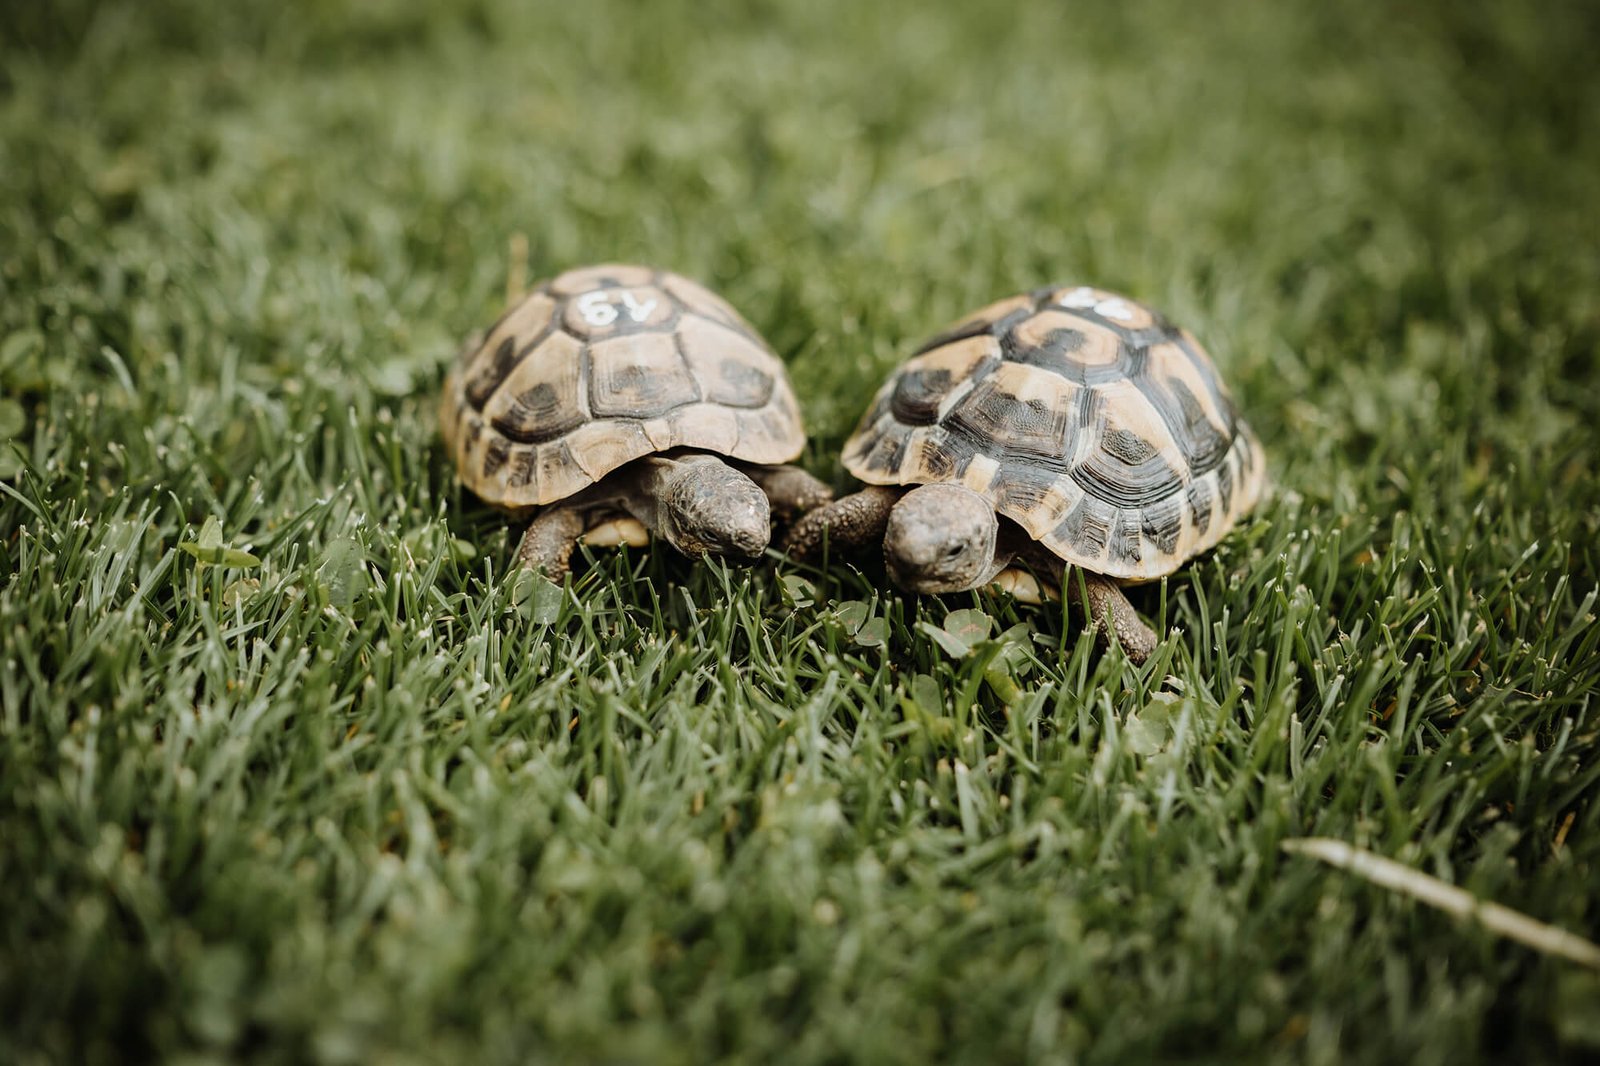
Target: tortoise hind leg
[(548, 544), (851, 521), (1112, 615)]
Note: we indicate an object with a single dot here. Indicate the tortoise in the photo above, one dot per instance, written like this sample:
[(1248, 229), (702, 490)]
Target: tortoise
[(1065, 427), (614, 402)]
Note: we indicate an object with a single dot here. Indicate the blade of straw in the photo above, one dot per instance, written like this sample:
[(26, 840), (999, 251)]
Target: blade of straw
[(1503, 921)]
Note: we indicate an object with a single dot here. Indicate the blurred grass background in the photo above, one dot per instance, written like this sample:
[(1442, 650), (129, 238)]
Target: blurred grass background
[(362, 801)]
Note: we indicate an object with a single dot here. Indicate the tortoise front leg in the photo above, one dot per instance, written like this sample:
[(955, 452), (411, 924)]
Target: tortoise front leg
[(852, 521), (1110, 612), (549, 541), (792, 491)]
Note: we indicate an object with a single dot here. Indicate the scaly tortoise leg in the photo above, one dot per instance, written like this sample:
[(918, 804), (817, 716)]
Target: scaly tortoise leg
[(1110, 613), (792, 491), (1108, 609), (548, 544), (851, 521)]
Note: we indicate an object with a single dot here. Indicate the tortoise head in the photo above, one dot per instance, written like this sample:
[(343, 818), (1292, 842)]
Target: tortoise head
[(941, 538), (712, 509)]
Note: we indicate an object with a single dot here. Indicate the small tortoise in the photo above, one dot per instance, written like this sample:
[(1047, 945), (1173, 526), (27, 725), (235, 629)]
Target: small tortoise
[(1100, 433), (610, 397)]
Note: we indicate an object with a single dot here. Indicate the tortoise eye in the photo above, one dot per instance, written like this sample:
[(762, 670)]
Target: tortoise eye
[(955, 550)]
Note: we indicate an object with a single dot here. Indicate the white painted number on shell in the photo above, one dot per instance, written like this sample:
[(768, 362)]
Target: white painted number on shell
[(1104, 306), (598, 310)]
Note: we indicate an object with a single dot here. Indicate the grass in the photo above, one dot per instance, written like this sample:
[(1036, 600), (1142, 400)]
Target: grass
[(354, 797)]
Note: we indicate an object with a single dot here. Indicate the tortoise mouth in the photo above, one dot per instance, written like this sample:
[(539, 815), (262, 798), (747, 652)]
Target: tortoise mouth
[(741, 548), (929, 581)]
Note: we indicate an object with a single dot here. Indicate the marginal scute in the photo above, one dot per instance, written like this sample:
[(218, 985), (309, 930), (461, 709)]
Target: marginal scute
[(1087, 418), (495, 456), (1125, 547), (1200, 502), (1088, 524), (1162, 523), (600, 447), (711, 426)]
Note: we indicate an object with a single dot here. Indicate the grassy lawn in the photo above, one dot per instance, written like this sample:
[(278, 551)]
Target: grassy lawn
[(357, 798)]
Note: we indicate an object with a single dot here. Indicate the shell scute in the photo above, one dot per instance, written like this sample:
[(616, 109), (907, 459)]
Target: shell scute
[(638, 377), (540, 398)]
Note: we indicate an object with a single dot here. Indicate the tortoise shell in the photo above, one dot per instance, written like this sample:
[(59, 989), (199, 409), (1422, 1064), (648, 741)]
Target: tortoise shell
[(1082, 415), (604, 365)]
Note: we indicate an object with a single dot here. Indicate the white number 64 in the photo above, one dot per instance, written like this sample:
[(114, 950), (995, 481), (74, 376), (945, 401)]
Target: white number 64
[(598, 310)]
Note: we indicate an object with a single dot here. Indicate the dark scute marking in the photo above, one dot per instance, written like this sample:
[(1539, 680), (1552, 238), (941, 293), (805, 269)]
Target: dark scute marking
[(633, 381), (537, 415), (1246, 453), (1022, 486), (1200, 503), (1162, 522), (1133, 360), (541, 290), (886, 452), (1207, 374), (1088, 525), (1132, 484), (739, 384), (495, 456), (1125, 545), (880, 405), (917, 394), (1126, 486), (1203, 446), (1032, 430), (1051, 353), (949, 458), (1127, 446), (481, 385), (1090, 404), (523, 467), (1225, 487)]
